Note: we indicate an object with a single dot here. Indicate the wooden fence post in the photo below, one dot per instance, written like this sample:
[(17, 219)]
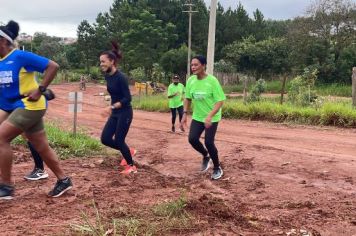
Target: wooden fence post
[(354, 87), (245, 88), (283, 88)]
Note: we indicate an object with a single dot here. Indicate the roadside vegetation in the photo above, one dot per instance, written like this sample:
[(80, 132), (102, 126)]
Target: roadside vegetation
[(66, 145), (159, 219), (303, 104)]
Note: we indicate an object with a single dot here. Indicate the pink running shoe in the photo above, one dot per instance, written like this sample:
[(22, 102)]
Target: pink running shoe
[(128, 170), (133, 153)]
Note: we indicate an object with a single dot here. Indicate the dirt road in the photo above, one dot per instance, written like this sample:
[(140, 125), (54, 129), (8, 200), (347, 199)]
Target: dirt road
[(279, 179)]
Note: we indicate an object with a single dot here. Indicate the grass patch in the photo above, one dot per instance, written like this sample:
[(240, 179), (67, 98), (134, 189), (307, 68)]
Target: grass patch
[(275, 86), (160, 219), (66, 145), (334, 90), (151, 103), (332, 112)]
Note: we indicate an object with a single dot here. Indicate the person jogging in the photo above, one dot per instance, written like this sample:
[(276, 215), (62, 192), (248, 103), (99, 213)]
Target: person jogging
[(175, 95), (205, 93), (22, 95), (120, 111)]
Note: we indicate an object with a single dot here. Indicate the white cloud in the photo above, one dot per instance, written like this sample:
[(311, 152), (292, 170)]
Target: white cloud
[(62, 17)]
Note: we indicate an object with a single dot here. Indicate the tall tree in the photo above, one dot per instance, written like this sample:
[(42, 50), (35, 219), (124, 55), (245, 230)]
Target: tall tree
[(319, 39), (146, 40), (86, 43)]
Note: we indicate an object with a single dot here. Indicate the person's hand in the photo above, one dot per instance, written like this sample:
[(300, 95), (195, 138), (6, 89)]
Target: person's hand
[(207, 122), (183, 122), (106, 111), (34, 95)]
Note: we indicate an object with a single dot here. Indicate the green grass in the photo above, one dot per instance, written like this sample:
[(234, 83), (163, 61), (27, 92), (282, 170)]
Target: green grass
[(275, 86), (160, 219), (334, 90), (334, 112), (151, 103), (66, 145)]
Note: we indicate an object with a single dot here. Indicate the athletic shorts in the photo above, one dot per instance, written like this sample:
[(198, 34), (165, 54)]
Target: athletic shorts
[(26, 120)]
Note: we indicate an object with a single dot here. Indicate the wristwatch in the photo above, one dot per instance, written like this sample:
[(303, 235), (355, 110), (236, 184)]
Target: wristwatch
[(113, 107), (42, 88)]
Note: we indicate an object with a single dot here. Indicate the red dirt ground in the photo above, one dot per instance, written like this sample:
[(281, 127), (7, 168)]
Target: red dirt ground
[(279, 179)]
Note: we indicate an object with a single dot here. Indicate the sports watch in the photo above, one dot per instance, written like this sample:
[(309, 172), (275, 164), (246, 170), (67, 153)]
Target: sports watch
[(42, 88)]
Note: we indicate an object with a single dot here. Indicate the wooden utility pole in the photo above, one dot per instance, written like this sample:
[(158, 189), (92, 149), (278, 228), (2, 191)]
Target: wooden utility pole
[(211, 37), (190, 12), (354, 87)]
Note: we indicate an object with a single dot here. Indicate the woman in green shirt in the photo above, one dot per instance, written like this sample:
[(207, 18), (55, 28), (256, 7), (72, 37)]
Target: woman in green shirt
[(175, 96), (204, 92)]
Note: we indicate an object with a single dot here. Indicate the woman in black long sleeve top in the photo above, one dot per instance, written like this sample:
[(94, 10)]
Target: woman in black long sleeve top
[(120, 111)]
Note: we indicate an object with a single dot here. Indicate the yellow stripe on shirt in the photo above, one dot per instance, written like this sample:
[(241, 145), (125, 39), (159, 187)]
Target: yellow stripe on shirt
[(28, 83)]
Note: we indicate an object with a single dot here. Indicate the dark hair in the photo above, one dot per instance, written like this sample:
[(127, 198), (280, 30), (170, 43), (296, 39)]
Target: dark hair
[(114, 54), (176, 77), (11, 29), (201, 59)]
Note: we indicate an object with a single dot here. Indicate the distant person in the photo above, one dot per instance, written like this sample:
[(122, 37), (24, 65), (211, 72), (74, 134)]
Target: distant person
[(175, 95), (22, 95), (120, 111), (205, 93), (82, 83)]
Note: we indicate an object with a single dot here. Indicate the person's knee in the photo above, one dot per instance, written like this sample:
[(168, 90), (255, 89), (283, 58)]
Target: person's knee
[(193, 140), (40, 147), (104, 140)]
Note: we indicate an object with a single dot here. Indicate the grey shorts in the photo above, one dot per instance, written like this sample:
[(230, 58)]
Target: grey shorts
[(26, 120)]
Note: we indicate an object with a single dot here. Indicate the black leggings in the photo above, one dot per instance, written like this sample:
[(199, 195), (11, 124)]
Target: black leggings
[(174, 114), (115, 131), (196, 129), (36, 157)]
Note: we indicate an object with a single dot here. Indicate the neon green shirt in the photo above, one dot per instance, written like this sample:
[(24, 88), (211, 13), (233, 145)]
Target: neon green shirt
[(176, 101), (204, 93)]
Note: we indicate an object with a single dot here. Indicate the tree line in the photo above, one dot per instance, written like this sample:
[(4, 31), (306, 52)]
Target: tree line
[(153, 35)]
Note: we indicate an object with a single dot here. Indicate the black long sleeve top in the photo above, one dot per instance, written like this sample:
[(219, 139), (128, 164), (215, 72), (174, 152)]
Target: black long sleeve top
[(118, 88)]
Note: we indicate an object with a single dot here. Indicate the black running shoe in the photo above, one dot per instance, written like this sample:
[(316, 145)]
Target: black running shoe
[(6, 192), (61, 187), (37, 174), (205, 164), (217, 173)]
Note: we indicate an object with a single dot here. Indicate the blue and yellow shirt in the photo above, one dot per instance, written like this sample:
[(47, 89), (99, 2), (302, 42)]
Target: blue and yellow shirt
[(17, 78)]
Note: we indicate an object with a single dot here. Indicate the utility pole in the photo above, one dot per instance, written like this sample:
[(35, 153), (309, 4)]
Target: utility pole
[(211, 37), (190, 12)]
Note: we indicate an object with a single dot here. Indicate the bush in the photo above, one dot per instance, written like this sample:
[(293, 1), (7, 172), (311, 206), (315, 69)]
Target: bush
[(301, 91), (257, 90)]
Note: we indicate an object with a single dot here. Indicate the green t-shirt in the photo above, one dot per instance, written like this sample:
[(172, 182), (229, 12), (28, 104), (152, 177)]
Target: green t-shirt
[(204, 93), (176, 101)]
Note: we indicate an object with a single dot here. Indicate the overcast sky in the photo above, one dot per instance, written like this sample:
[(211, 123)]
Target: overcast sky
[(61, 17)]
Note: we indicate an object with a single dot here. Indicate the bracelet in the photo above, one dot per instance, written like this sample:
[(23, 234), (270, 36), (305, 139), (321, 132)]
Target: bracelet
[(185, 112)]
